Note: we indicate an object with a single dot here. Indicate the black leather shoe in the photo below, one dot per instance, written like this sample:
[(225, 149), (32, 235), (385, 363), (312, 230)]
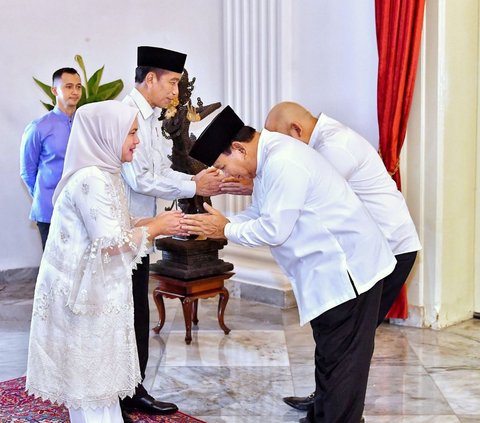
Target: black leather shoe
[(149, 405), (305, 420), (300, 403), (126, 418)]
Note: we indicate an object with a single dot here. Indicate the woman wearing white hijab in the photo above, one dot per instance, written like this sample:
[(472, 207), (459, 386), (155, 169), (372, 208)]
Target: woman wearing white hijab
[(82, 350)]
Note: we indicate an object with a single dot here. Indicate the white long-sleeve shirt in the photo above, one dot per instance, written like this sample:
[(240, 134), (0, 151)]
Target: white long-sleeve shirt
[(358, 162), (149, 175), (318, 230)]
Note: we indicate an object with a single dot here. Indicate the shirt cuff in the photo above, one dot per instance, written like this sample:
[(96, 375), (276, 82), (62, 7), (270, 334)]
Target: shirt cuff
[(186, 176), (187, 188), (228, 231), (234, 219)]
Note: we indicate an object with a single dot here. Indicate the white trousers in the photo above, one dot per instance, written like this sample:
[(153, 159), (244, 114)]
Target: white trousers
[(112, 414)]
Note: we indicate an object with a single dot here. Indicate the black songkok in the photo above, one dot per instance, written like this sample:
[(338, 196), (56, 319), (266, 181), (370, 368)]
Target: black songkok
[(216, 137), (161, 58)]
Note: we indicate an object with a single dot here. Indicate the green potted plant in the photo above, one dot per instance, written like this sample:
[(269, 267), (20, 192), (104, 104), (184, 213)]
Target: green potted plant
[(92, 91)]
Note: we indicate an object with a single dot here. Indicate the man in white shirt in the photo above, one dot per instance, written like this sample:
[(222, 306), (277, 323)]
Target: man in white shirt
[(318, 232), (359, 163), (149, 177)]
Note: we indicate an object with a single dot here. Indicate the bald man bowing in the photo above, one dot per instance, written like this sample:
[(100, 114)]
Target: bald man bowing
[(359, 163)]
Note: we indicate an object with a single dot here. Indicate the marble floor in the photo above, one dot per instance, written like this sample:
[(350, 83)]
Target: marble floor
[(417, 375)]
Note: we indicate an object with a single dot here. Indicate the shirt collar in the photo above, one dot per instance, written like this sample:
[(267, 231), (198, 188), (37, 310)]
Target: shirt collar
[(315, 137), (143, 106), (261, 149), (56, 110)]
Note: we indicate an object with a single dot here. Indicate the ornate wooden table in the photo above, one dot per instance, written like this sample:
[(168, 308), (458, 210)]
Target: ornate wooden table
[(188, 292)]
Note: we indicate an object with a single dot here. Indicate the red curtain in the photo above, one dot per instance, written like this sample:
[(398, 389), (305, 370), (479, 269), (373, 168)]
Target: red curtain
[(399, 30)]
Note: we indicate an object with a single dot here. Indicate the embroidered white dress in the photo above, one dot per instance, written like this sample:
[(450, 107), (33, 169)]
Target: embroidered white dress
[(82, 350)]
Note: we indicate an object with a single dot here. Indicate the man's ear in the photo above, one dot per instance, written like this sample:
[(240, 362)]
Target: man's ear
[(54, 91), (237, 145), (149, 77), (295, 130)]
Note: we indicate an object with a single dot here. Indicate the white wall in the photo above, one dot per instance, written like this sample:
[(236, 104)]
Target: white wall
[(334, 66), (476, 307), (442, 165)]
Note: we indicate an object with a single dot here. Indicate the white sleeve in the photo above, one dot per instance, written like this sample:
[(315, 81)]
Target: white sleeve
[(113, 252), (149, 173), (251, 212), (287, 186), (164, 183)]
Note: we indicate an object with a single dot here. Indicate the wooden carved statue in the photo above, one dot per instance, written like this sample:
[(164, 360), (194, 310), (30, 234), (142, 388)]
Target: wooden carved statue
[(176, 126)]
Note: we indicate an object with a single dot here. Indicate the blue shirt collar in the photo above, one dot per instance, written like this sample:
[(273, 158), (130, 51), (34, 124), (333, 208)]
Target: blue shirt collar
[(59, 113)]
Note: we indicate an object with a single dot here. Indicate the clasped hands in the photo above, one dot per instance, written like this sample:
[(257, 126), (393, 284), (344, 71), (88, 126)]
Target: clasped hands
[(211, 224), (175, 222), (165, 223)]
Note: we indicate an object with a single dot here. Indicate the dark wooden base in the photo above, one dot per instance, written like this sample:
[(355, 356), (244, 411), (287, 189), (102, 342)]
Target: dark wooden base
[(190, 259), (188, 292)]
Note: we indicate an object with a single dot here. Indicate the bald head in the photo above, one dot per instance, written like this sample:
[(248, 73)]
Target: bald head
[(291, 119)]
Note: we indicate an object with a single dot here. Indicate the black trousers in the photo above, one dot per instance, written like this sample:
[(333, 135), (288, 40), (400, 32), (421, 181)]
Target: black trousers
[(394, 282), (43, 228), (344, 342), (141, 316)]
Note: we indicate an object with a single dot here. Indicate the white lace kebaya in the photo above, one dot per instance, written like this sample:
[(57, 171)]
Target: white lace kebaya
[(82, 350)]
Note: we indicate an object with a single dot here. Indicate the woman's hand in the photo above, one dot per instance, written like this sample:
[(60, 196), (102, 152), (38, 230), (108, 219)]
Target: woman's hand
[(168, 223)]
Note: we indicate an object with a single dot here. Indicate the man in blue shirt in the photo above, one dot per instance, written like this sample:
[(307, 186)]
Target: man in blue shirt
[(43, 147)]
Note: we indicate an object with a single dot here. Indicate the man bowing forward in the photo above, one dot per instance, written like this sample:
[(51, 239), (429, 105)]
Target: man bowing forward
[(321, 236)]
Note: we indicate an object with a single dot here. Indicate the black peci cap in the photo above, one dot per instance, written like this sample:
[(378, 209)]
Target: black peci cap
[(161, 58), (216, 137)]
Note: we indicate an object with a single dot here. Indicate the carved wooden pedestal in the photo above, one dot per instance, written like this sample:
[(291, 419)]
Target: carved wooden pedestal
[(188, 292)]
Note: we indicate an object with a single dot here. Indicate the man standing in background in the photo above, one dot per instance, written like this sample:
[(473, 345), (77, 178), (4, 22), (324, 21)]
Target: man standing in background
[(43, 147)]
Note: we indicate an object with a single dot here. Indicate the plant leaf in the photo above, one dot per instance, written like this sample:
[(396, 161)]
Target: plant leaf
[(80, 62), (113, 89), (94, 81), (47, 89), (47, 106), (106, 94), (83, 98)]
